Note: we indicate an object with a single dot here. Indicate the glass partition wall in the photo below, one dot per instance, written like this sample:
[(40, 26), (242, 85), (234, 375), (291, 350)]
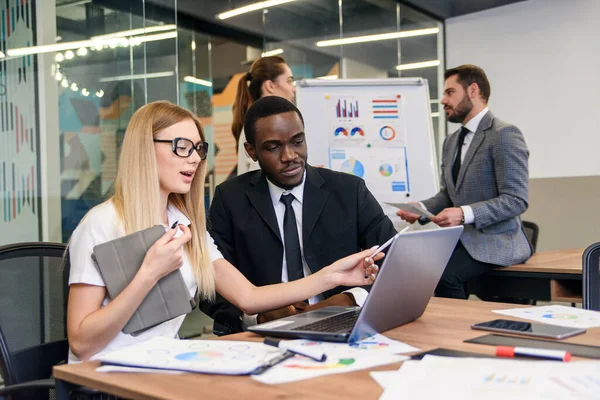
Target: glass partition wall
[(73, 72)]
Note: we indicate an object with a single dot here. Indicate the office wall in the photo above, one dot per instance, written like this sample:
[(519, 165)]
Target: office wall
[(542, 61)]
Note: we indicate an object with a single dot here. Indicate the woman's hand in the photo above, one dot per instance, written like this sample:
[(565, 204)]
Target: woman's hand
[(355, 270), (166, 254)]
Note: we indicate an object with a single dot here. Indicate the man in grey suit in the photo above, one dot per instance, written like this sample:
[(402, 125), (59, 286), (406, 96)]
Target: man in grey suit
[(484, 184)]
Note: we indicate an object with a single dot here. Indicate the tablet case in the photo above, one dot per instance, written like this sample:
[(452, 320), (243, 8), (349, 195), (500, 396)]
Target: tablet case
[(579, 350), (120, 259)]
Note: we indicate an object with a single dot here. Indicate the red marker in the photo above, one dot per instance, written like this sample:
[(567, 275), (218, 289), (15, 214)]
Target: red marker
[(508, 351)]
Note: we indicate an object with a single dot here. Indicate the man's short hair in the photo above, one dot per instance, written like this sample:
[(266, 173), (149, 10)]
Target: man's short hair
[(263, 108), (469, 74)]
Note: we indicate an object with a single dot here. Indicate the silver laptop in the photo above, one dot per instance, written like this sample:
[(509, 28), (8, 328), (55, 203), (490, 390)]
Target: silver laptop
[(412, 267)]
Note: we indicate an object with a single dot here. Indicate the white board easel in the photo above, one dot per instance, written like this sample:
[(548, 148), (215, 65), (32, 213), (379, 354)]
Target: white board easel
[(378, 129)]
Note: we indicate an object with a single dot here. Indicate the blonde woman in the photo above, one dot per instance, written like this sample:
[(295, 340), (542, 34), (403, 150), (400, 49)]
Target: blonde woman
[(161, 180)]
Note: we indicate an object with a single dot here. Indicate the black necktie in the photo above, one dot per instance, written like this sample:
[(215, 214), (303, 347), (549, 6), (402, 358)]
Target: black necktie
[(456, 165), (293, 255)]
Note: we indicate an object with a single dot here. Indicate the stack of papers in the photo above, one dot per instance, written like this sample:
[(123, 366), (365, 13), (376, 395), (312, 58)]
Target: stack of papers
[(241, 358), (483, 378)]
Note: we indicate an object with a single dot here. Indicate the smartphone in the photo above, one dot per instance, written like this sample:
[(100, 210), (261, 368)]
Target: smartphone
[(528, 328)]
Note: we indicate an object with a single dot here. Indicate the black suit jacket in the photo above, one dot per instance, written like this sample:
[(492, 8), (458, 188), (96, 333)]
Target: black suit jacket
[(339, 217)]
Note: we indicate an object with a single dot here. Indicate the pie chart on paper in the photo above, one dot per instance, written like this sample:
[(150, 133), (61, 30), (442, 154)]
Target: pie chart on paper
[(386, 170), (354, 167)]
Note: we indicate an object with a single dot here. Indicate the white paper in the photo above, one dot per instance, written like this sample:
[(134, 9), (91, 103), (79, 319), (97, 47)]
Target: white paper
[(385, 170), (414, 209), (384, 378), (557, 315), (206, 356), (299, 368), (374, 345), (477, 378), (341, 357)]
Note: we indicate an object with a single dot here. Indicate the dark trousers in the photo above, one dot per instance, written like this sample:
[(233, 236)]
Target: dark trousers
[(460, 269)]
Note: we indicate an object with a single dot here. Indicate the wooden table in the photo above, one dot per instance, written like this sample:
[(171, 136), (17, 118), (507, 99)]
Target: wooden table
[(446, 323), (550, 276)]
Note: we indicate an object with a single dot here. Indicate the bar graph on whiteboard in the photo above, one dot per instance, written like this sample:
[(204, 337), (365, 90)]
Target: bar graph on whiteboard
[(386, 108), (347, 108)]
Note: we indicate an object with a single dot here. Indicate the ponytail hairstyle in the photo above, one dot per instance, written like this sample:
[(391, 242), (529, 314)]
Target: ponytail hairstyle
[(250, 89)]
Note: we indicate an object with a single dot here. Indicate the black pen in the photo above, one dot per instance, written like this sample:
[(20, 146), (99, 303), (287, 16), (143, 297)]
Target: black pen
[(273, 361), (174, 224)]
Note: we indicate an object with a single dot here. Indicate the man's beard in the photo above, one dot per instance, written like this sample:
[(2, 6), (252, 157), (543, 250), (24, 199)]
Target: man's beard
[(461, 110)]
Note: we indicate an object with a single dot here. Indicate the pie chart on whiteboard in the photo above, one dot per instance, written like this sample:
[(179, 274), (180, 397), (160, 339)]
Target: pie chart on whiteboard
[(387, 133), (354, 167)]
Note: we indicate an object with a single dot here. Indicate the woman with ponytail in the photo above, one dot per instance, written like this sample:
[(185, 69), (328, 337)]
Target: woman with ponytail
[(268, 76)]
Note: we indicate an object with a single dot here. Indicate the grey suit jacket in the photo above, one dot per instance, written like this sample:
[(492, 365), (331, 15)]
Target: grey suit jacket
[(494, 181)]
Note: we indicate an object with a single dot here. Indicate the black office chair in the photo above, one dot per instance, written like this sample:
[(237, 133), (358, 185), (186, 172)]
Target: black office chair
[(591, 277), (33, 298), (477, 285), (531, 231)]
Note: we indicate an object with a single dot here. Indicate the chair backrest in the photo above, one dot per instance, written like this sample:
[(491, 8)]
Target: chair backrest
[(531, 231), (33, 299), (591, 277)]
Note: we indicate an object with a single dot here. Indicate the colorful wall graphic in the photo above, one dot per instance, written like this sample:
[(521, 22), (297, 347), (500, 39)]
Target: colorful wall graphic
[(19, 153)]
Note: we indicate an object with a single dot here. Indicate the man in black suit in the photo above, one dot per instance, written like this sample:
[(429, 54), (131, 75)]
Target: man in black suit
[(288, 219)]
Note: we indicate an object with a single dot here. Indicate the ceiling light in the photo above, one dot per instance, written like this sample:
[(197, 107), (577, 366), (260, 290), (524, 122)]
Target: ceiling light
[(2, 55), (85, 92), (139, 31), (197, 81), (69, 54), (64, 83), (82, 51), (137, 76), (158, 36), (378, 37), (74, 87), (96, 43), (59, 57), (100, 93), (193, 45), (58, 76), (273, 52), (252, 7), (424, 64)]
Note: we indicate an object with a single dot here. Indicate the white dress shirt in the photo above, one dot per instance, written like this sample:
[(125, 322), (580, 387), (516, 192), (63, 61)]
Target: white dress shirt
[(471, 126), (359, 294), (101, 224)]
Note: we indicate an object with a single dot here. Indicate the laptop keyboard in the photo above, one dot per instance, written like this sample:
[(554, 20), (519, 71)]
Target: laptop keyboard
[(343, 322)]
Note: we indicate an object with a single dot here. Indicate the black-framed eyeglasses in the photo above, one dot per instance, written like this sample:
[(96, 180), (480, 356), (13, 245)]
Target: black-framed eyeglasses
[(183, 147)]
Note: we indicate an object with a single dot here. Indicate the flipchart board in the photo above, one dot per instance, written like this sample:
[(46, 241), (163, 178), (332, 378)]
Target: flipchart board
[(378, 129)]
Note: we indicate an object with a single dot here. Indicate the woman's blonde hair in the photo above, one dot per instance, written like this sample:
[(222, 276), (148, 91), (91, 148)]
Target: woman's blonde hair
[(136, 193)]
